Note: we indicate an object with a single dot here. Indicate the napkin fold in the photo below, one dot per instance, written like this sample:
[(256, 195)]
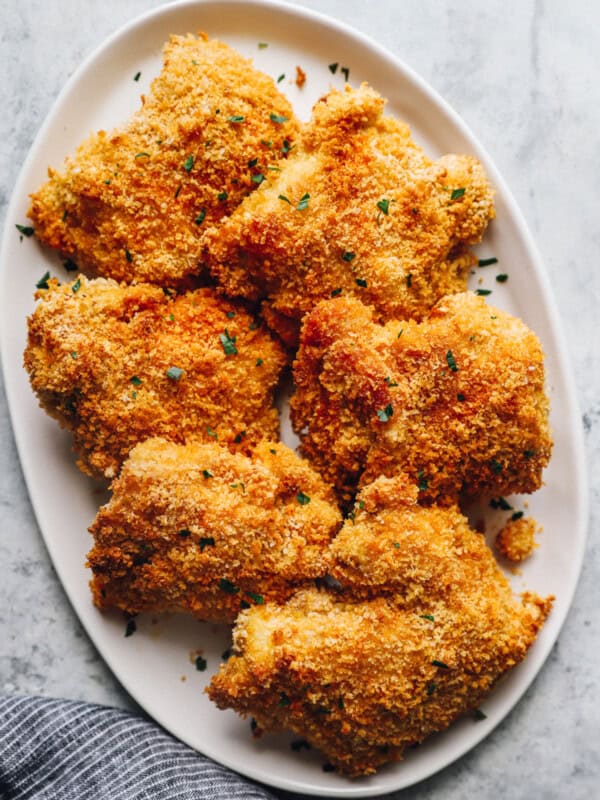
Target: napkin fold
[(66, 750)]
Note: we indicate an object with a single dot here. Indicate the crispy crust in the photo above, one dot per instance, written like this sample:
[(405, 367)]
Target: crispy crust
[(364, 679), (350, 158), (98, 359), (465, 388), (197, 529), (129, 204)]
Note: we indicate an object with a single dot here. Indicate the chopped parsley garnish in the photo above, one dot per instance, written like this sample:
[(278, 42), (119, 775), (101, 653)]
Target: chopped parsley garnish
[(384, 205), (188, 163), (207, 473), (76, 286), (135, 380), (25, 230), (43, 281), (201, 216), (70, 266), (179, 188), (479, 715), (431, 687), (385, 414), (333, 68), (457, 194), (328, 767), (361, 282), (496, 466), (486, 262), (346, 71), (236, 118), (128, 256), (230, 314), (423, 484), (74, 355), (408, 280), (303, 204), (107, 182), (278, 118), (211, 433), (303, 499), (252, 163), (174, 373), (439, 664), (348, 256), (517, 515), (130, 628), (285, 199), (281, 77), (228, 586), (287, 146), (142, 155), (239, 437), (137, 76), (259, 362), (206, 541), (451, 361), (430, 617), (200, 663), (273, 451), (483, 292), (400, 333), (502, 278), (184, 533), (258, 598), (284, 700), (262, 45), (396, 545), (299, 744), (335, 292), (258, 178), (228, 343), (390, 382), (529, 453), (500, 503), (226, 654)]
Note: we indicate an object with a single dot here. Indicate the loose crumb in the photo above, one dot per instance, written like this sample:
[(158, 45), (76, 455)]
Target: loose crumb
[(516, 540), (300, 77)]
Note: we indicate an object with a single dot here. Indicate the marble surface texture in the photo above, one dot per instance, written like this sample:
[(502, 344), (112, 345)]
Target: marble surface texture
[(525, 77)]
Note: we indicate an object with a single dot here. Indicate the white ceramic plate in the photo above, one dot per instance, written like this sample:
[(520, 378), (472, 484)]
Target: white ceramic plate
[(154, 665)]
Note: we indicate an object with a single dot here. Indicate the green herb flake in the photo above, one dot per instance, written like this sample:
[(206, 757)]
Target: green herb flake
[(137, 76), (25, 230), (451, 361), (179, 188), (423, 484), (273, 451), (483, 292), (346, 72), (385, 414), (227, 586), (285, 199), (74, 355), (184, 533), (262, 45), (529, 453), (400, 333), (396, 545), (228, 343), (206, 541), (478, 714), (43, 281), (142, 155), (188, 163), (281, 77), (408, 280), (486, 262), (128, 256), (500, 503), (348, 256), (431, 687), (107, 182), (258, 178), (226, 654), (439, 664), (496, 466), (230, 314), (502, 278), (287, 146), (390, 382), (174, 373), (278, 118), (384, 205), (284, 700), (252, 163), (361, 282), (430, 617), (517, 515), (303, 204), (460, 397), (135, 380), (207, 473), (76, 286), (201, 217), (239, 437), (259, 362), (303, 499), (258, 598), (130, 628), (335, 292), (70, 266), (236, 118), (201, 663), (457, 194)]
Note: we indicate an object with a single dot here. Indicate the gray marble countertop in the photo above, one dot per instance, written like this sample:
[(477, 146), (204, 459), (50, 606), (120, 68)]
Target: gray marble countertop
[(525, 77)]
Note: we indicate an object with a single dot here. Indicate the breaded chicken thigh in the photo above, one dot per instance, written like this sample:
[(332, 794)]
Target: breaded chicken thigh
[(195, 528), (133, 204), (363, 679), (357, 208), (456, 402), (118, 364)]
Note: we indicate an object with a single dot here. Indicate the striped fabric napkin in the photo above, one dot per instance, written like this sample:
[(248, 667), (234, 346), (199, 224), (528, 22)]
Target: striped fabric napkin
[(64, 750)]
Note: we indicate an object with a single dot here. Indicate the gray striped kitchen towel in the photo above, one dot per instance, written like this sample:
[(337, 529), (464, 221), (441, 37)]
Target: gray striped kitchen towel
[(64, 750)]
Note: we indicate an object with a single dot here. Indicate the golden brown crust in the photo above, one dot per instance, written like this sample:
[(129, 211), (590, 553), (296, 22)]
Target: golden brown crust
[(134, 204), (198, 529), (516, 540), (379, 220), (99, 356), (456, 402), (364, 679)]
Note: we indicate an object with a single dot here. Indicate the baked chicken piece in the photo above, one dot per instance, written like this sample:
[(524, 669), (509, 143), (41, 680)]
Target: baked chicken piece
[(117, 364), (456, 402), (359, 209), (133, 204), (362, 679), (195, 528)]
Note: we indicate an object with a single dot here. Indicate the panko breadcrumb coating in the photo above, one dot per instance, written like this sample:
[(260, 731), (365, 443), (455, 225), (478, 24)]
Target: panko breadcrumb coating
[(516, 540), (456, 402), (363, 679), (118, 364), (359, 209), (197, 529), (133, 204)]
